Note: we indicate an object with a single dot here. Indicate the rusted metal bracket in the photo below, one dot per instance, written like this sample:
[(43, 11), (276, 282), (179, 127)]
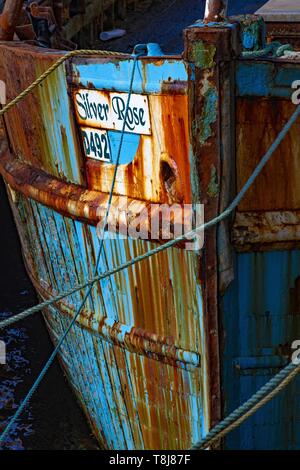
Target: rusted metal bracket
[(80, 203), (43, 21), (266, 231), (137, 340), (42, 12)]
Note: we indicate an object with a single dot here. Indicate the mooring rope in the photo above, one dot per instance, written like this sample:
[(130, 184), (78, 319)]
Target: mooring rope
[(188, 236), (49, 362), (257, 401), (54, 66), (273, 49)]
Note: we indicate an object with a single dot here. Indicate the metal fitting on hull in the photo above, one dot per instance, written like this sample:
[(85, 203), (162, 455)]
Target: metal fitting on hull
[(215, 10)]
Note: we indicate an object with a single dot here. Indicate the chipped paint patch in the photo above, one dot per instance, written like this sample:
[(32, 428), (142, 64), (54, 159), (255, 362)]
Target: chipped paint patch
[(202, 125), (213, 187), (133, 357), (252, 32), (203, 54)]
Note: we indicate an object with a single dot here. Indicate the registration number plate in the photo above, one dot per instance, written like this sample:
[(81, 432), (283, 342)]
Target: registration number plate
[(96, 144)]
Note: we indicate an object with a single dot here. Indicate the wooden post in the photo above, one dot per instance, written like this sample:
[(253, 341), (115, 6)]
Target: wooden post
[(9, 19), (209, 55)]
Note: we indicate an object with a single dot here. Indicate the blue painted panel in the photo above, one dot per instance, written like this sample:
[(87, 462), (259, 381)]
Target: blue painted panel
[(129, 147), (266, 79), (213, 24), (116, 75), (60, 144), (261, 318)]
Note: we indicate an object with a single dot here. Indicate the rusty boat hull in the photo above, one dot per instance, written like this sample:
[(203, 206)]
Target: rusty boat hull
[(163, 350), (139, 384)]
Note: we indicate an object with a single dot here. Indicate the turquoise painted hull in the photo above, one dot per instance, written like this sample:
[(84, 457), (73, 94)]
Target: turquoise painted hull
[(132, 399)]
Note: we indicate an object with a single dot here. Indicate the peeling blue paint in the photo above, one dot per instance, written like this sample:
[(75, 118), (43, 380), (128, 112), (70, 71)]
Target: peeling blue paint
[(149, 77), (248, 40), (209, 115), (265, 79), (213, 24), (63, 152), (259, 328), (110, 393)]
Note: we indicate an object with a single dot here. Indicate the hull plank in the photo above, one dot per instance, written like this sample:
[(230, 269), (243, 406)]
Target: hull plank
[(132, 401)]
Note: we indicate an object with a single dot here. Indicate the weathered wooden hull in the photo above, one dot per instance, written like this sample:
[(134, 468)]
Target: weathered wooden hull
[(166, 348), (136, 358), (136, 391)]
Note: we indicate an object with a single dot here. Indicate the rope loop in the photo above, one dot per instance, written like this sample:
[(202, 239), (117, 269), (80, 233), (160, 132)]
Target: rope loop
[(273, 49), (54, 66)]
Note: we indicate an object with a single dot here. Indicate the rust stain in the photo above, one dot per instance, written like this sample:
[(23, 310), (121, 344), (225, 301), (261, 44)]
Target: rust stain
[(266, 230), (254, 137), (162, 380), (175, 124), (142, 178), (29, 123)]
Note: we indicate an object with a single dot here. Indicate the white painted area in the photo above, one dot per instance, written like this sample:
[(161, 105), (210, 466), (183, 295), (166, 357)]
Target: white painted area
[(281, 10), (96, 144), (207, 8), (2, 93), (148, 168), (106, 110)]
